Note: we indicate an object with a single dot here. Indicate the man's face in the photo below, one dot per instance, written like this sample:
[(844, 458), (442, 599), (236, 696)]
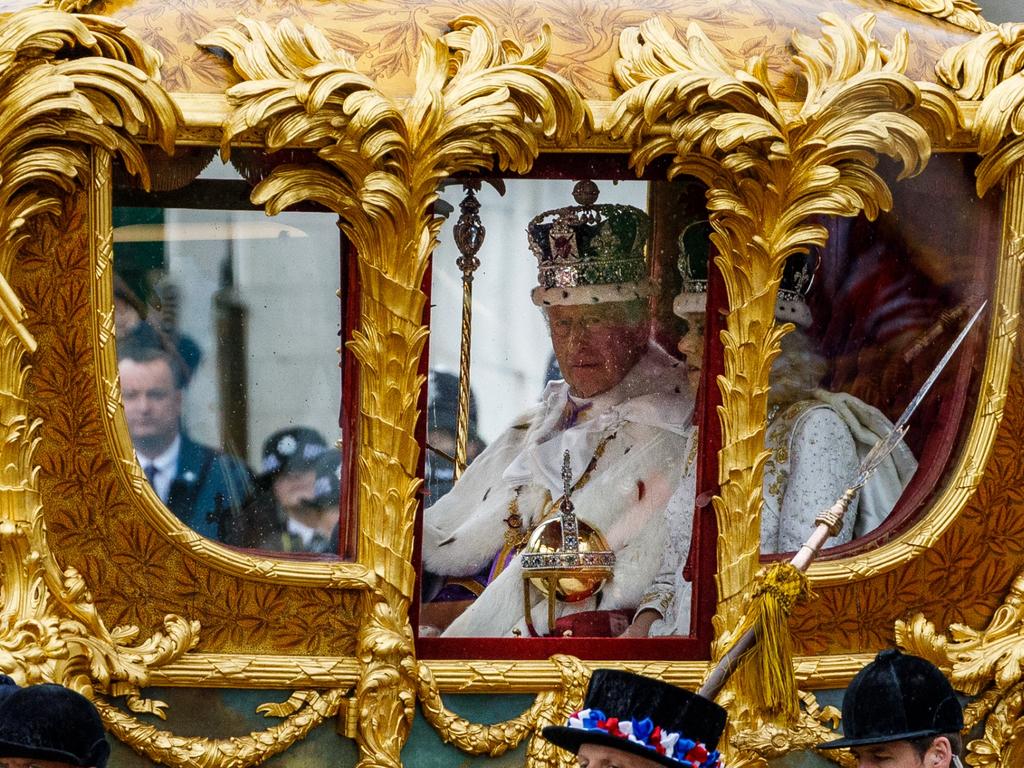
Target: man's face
[(152, 404), (293, 490), (597, 344), (598, 756), (902, 754)]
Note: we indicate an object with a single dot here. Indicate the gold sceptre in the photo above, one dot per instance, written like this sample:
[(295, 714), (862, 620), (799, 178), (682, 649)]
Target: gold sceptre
[(565, 558), (469, 234), (784, 583)]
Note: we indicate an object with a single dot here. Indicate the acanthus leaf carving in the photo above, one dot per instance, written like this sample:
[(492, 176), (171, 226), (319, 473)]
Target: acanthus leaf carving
[(771, 169), (479, 101), (990, 68), (68, 84)]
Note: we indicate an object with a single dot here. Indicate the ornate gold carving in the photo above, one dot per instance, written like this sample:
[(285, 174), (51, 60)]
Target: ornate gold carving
[(55, 102), (303, 711), (984, 663), (769, 168), (989, 68), (380, 165), (549, 708), (963, 13), (769, 171), (816, 725), (214, 670)]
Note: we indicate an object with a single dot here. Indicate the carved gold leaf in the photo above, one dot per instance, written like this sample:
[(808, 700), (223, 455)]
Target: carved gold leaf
[(817, 724), (380, 162), (963, 13), (974, 659), (990, 68), (66, 84), (551, 707), (771, 169), (302, 713)]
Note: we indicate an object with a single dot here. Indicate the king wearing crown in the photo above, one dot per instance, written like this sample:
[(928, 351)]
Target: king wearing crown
[(610, 434)]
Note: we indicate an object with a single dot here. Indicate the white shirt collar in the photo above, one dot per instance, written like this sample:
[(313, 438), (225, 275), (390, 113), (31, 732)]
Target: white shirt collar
[(165, 466), (304, 532)]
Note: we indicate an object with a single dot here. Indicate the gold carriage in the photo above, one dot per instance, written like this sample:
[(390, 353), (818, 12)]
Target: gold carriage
[(886, 137)]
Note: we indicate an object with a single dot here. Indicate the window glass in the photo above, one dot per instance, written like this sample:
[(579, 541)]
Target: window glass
[(227, 325)]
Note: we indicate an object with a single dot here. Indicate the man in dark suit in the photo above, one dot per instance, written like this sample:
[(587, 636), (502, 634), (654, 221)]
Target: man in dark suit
[(204, 487)]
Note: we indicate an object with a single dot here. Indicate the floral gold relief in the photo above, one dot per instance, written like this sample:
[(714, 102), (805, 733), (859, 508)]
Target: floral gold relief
[(379, 164)]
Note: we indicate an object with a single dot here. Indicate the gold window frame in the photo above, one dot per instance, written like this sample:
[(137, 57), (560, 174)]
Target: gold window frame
[(380, 679)]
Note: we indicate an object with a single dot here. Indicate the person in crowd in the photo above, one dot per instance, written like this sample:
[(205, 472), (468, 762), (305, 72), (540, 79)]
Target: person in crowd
[(203, 486), (282, 515), (442, 420), (312, 524), (816, 440), (632, 721), (443, 598), (49, 726), (134, 325), (621, 412), (900, 712)]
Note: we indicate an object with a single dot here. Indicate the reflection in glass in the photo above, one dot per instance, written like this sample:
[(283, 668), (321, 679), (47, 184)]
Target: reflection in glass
[(227, 323)]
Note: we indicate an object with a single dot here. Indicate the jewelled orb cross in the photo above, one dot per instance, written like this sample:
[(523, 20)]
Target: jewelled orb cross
[(565, 559)]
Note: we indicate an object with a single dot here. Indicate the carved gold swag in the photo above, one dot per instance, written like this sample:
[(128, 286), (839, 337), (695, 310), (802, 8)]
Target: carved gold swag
[(770, 168)]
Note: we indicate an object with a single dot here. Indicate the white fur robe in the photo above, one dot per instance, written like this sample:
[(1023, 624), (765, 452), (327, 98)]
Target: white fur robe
[(648, 413)]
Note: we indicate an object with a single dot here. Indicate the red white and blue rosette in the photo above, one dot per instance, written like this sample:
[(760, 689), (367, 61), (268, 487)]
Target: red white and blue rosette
[(673, 745)]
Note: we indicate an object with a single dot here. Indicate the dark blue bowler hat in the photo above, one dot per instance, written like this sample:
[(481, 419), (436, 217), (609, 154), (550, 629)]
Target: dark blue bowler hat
[(895, 698), (51, 722)]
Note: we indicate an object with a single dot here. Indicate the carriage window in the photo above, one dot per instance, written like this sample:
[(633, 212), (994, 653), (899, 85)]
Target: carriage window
[(227, 327), (546, 521), (566, 483), (886, 300)]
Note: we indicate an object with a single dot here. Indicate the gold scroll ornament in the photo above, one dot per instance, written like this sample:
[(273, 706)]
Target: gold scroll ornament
[(770, 168), (72, 90), (380, 161)]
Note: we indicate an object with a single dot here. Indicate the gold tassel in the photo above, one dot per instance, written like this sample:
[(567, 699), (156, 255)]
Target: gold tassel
[(766, 671)]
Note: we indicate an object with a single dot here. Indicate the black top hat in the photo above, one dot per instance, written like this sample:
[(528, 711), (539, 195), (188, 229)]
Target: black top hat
[(51, 722), (644, 717), (294, 449), (897, 697)]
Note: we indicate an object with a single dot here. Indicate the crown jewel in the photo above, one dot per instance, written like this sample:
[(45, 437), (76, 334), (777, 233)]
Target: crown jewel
[(589, 253), (694, 257)]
